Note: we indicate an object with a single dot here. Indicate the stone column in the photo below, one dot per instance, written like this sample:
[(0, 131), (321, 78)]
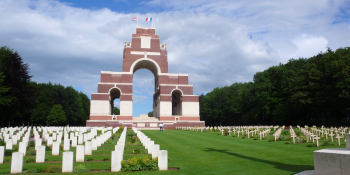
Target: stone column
[(67, 162)]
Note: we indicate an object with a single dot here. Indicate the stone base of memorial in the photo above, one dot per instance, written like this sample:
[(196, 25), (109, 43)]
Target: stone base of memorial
[(331, 161)]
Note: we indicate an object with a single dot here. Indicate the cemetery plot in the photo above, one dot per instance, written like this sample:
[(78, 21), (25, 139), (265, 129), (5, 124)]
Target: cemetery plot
[(72, 149), (310, 136)]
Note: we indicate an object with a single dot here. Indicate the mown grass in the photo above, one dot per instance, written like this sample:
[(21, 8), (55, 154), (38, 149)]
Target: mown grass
[(208, 153)]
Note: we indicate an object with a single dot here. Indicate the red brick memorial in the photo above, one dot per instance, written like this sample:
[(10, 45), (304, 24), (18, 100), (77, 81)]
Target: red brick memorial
[(173, 101)]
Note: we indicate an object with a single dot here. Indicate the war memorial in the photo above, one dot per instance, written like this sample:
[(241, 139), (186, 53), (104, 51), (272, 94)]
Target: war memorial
[(173, 101)]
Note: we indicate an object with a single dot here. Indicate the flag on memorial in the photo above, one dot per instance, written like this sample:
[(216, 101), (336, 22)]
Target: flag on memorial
[(149, 19), (134, 19)]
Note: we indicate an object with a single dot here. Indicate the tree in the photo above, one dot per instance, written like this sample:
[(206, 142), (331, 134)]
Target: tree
[(56, 116), (116, 111), (150, 114), (15, 75)]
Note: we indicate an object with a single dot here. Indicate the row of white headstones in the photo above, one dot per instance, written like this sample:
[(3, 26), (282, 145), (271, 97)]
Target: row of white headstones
[(249, 131), (314, 134), (81, 150)]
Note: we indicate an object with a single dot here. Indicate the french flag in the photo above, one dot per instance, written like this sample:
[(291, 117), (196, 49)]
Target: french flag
[(149, 19)]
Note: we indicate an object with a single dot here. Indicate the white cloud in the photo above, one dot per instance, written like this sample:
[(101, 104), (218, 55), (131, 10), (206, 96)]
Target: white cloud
[(216, 42), (309, 46)]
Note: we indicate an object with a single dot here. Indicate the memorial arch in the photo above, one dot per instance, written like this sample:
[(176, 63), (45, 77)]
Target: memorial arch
[(173, 99)]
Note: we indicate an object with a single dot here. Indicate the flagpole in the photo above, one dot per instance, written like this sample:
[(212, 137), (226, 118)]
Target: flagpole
[(137, 21)]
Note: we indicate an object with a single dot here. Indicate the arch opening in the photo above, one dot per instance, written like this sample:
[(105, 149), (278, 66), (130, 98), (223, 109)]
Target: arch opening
[(176, 102), (114, 97)]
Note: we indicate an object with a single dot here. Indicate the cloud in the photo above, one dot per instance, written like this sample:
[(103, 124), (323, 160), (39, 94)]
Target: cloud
[(216, 43)]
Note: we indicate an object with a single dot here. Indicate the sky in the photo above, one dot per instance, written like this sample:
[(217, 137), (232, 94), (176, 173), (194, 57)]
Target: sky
[(217, 43)]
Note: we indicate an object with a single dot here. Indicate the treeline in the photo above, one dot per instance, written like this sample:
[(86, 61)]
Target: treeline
[(24, 102), (305, 91)]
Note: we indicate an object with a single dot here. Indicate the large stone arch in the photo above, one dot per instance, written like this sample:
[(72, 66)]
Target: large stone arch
[(145, 52)]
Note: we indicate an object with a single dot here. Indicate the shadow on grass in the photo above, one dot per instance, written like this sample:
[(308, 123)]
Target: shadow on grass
[(278, 165)]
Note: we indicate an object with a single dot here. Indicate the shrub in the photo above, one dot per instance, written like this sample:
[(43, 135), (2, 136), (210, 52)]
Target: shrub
[(106, 159), (40, 170), (243, 137), (32, 152), (136, 151), (310, 145), (53, 169), (61, 147), (8, 152), (140, 164), (31, 144), (89, 159), (48, 148), (121, 129), (30, 159), (2, 143), (80, 169)]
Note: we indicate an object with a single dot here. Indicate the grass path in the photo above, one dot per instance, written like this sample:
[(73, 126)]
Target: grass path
[(210, 153)]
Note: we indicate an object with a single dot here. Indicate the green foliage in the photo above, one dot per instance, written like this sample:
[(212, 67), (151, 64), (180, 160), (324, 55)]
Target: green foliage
[(8, 152), (106, 159), (310, 145), (15, 90), (305, 91), (31, 144), (140, 164), (2, 143), (53, 169), (89, 159), (56, 116), (31, 152), (116, 111), (79, 168), (136, 151), (150, 114), (48, 148), (30, 159)]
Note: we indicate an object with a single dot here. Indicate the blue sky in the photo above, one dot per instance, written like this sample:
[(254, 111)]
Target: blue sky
[(216, 43)]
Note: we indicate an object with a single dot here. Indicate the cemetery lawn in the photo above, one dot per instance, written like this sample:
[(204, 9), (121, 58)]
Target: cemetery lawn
[(204, 153)]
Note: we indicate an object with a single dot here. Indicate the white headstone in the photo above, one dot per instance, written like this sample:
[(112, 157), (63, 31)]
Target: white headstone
[(2, 154), (116, 161), (38, 142), (67, 162), (49, 141), (88, 148), (16, 163), (94, 144), (74, 141), (55, 148), (40, 154), (9, 144), (155, 150), (80, 153), (163, 160), (66, 145), (22, 148), (150, 144)]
